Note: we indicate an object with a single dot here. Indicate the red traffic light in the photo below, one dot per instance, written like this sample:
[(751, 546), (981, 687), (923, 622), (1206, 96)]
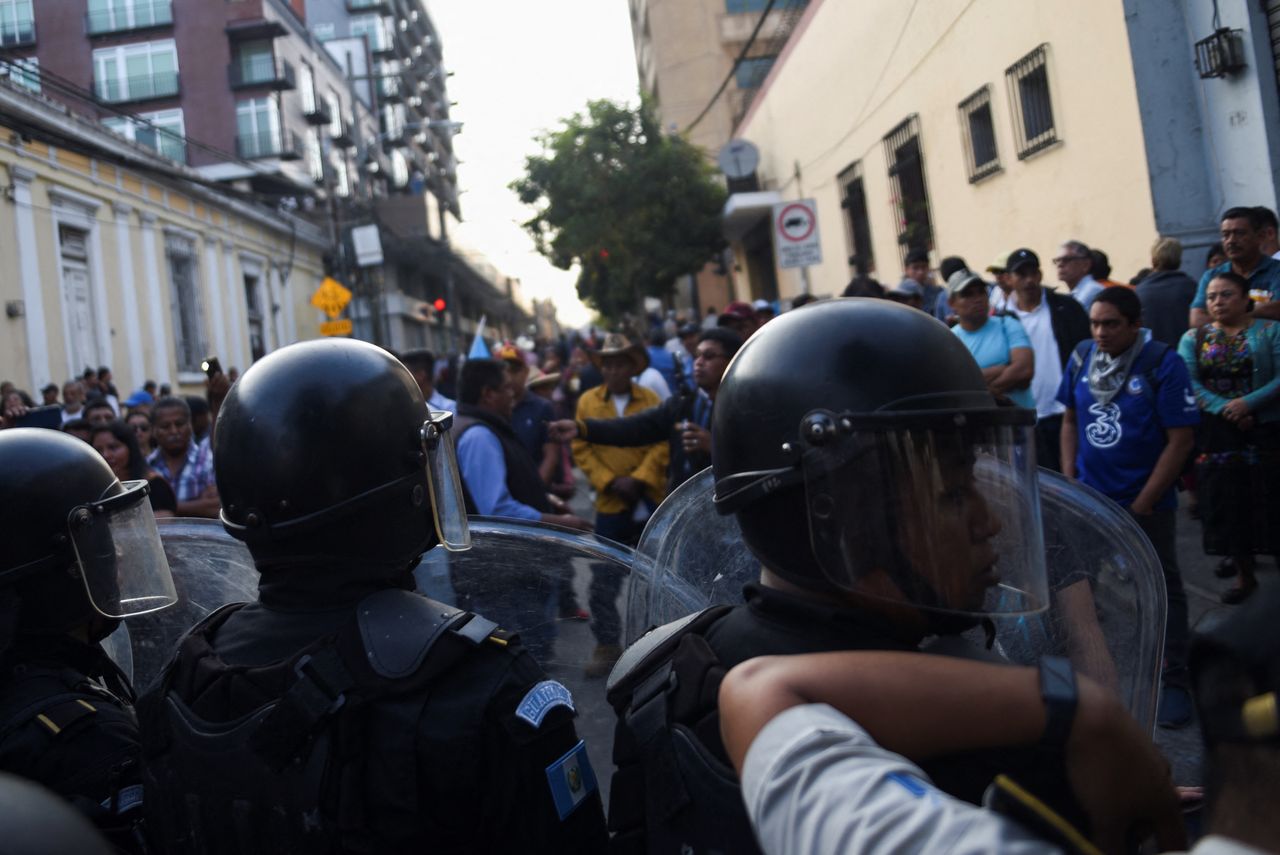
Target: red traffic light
[(604, 255), (438, 305)]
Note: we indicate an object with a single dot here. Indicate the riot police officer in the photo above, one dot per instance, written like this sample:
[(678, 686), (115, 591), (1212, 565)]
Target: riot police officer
[(343, 711), (80, 552), (888, 498)]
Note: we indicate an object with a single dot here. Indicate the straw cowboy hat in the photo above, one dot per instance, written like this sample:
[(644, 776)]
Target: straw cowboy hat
[(537, 378), (617, 344)]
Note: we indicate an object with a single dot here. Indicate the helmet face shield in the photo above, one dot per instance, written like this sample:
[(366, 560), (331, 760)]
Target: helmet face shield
[(938, 510), (120, 555), (448, 507)]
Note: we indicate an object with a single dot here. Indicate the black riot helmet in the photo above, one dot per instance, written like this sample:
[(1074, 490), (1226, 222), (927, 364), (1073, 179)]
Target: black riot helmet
[(327, 447), (38, 821), (857, 445), (78, 544)]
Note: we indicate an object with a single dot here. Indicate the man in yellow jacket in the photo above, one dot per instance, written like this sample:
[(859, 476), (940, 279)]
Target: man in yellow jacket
[(629, 482)]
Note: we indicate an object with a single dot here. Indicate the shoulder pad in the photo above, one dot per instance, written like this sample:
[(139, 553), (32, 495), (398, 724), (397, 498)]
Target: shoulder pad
[(655, 644), (398, 629)]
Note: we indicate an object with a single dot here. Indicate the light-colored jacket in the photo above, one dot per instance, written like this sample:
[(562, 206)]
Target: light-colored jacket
[(1263, 337)]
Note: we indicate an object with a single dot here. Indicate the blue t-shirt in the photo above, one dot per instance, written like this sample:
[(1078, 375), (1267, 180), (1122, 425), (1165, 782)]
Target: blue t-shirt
[(1119, 444), (1265, 277), (991, 345)]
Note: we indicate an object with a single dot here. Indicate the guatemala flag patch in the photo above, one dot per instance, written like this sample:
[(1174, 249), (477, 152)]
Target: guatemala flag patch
[(572, 780)]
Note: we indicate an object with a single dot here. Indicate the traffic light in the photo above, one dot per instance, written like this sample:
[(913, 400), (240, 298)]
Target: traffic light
[(438, 305)]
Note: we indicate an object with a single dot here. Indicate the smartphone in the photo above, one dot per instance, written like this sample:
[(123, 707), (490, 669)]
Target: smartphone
[(41, 417), (211, 366)]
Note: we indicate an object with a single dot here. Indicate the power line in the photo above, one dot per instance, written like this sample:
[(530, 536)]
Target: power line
[(742, 54)]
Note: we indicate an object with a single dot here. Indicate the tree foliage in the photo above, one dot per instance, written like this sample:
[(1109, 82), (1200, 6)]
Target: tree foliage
[(633, 207)]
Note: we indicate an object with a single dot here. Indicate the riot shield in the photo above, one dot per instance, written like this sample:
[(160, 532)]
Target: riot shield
[(1107, 600), (533, 579), (530, 578), (210, 569)]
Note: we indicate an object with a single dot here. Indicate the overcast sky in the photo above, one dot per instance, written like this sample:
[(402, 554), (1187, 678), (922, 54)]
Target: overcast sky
[(518, 68)]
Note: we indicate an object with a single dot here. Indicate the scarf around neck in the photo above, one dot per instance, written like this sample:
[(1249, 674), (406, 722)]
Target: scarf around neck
[(1107, 374)]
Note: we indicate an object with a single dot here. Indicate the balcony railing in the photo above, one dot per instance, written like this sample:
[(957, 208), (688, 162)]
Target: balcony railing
[(343, 136), (119, 90), (18, 32), (143, 15), (389, 90), (382, 7), (285, 145), (262, 70), (317, 113)]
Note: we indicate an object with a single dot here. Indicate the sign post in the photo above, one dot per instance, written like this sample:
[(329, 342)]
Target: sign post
[(795, 236)]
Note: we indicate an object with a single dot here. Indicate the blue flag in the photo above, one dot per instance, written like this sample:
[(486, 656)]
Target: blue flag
[(479, 350)]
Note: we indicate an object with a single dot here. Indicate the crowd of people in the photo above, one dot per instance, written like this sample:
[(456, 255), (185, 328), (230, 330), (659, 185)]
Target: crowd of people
[(809, 717)]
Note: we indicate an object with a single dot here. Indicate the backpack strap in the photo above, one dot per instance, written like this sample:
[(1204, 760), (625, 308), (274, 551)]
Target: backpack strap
[(392, 647), (1146, 366), (1079, 361)]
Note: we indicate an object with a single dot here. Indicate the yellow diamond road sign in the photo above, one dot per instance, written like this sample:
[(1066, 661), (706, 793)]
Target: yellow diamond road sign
[(331, 298), (342, 327)]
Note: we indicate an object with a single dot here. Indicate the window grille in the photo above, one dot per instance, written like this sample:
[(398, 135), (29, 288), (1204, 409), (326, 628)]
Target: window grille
[(853, 199), (184, 295), (1030, 103), (979, 135), (910, 195)]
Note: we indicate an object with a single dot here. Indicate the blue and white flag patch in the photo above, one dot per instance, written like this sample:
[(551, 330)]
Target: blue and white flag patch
[(572, 780), (543, 698)]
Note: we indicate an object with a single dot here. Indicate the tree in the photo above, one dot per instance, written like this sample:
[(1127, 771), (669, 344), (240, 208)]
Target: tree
[(632, 207)]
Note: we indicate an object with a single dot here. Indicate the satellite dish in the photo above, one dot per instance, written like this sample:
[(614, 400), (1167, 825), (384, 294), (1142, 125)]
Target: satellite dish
[(738, 159)]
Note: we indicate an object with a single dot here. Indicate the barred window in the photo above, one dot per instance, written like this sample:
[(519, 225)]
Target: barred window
[(1030, 102), (979, 135), (184, 301), (853, 199), (910, 196)]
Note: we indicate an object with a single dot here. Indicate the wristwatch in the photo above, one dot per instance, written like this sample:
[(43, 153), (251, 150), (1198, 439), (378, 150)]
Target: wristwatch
[(1058, 690)]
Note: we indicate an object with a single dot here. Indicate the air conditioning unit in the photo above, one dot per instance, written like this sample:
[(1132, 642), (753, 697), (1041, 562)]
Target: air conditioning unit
[(1221, 54)]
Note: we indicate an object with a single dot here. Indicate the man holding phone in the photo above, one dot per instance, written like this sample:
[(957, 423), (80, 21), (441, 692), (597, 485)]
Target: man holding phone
[(187, 467)]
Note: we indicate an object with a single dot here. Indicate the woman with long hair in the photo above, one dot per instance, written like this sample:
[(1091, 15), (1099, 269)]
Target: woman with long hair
[(118, 445), (1234, 362)]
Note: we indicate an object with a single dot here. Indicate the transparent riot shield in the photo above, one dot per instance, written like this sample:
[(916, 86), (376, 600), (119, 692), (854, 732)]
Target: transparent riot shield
[(1106, 606), (533, 579), (210, 569)]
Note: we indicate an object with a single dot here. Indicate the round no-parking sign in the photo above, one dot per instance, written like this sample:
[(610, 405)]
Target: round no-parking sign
[(795, 233)]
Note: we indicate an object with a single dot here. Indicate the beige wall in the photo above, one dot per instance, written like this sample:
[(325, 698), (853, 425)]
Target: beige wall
[(128, 215), (848, 80)]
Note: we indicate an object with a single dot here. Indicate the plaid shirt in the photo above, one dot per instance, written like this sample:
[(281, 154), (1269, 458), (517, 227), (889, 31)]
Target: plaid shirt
[(196, 474)]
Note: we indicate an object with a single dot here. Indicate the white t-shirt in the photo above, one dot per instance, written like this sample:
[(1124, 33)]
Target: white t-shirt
[(1038, 324), (816, 782), (651, 378)]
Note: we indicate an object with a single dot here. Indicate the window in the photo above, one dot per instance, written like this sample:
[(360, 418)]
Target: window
[(184, 297), (137, 71), (393, 124), (307, 88), (162, 131), (1030, 104), (335, 115), (399, 169), (374, 28), (253, 62), (23, 72), (258, 127), (253, 313), (109, 16), (979, 135), (906, 177), (17, 23), (315, 158), (323, 32), (750, 73), (341, 180), (853, 199)]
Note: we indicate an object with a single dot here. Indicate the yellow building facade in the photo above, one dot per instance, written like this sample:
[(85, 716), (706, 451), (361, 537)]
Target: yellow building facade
[(1020, 121), (115, 257)]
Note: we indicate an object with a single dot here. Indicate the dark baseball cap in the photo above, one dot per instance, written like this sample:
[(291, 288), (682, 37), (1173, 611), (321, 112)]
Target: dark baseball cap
[(1022, 258)]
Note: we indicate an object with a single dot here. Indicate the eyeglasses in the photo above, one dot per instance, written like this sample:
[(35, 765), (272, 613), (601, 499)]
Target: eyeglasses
[(1063, 259)]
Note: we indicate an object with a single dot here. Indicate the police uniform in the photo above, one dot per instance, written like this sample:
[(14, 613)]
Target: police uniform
[(478, 756), (344, 711), (865, 462), (67, 722)]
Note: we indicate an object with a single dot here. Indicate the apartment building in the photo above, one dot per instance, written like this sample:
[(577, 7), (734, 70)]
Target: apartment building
[(972, 127), (685, 53)]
